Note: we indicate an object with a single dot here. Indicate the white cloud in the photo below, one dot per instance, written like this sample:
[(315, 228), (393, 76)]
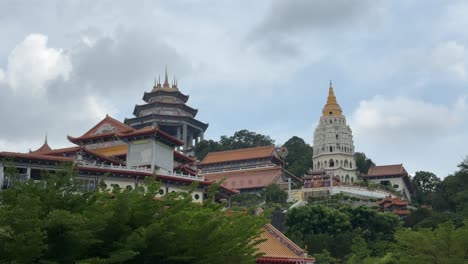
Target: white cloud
[(405, 118), (450, 57), (32, 64)]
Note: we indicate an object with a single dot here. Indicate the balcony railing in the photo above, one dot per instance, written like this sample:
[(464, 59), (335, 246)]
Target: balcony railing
[(11, 179), (142, 169)]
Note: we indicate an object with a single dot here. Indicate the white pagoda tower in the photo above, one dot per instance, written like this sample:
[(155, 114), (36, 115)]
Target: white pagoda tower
[(333, 143)]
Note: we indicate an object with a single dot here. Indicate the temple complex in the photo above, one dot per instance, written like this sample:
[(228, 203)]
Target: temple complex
[(333, 143), (394, 205), (247, 170), (166, 108), (117, 154)]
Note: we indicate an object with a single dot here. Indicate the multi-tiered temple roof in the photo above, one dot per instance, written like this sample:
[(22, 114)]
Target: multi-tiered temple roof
[(166, 108)]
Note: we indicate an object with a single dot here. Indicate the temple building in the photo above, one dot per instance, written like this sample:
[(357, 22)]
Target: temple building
[(118, 155), (166, 108), (248, 169), (333, 143), (394, 205), (391, 175)]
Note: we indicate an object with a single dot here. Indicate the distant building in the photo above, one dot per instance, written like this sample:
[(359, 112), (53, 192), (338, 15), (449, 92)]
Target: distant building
[(166, 108), (249, 169), (333, 143), (394, 205), (392, 175)]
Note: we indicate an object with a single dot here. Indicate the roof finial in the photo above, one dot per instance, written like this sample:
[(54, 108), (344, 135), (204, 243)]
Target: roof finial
[(166, 81), (174, 83), (45, 141), (331, 84)]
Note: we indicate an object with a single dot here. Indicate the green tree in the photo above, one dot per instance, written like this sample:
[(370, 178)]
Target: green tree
[(446, 244), (53, 222), (363, 163), (299, 158), (425, 184), (206, 146), (240, 139), (275, 194)]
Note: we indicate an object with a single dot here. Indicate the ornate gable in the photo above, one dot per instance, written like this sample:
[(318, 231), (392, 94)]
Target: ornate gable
[(108, 125)]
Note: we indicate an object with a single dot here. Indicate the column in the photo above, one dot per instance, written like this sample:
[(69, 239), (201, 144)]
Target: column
[(184, 135), (178, 132), (28, 172), (2, 175)]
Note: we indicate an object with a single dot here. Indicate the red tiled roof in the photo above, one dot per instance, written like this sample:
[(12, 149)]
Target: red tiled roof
[(386, 170), (150, 131), (402, 212), (62, 151), (119, 126), (178, 155), (34, 156), (246, 179), (239, 154), (44, 148)]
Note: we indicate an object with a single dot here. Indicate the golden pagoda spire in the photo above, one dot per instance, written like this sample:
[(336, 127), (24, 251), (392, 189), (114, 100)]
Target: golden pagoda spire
[(331, 107)]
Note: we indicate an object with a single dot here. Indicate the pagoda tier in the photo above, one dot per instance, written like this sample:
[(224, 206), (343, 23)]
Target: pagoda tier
[(162, 107), (165, 108), (147, 97)]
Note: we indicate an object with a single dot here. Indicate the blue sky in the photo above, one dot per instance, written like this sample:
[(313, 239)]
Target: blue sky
[(399, 69)]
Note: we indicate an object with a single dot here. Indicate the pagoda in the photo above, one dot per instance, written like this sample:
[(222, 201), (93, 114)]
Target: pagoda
[(333, 143), (166, 109)]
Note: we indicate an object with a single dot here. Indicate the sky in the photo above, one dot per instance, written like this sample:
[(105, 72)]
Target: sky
[(399, 70)]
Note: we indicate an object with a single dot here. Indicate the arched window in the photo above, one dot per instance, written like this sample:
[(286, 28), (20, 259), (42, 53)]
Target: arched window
[(161, 192), (350, 164), (331, 163), (336, 136), (341, 163), (326, 165), (346, 163), (347, 178), (352, 179), (331, 149), (196, 196)]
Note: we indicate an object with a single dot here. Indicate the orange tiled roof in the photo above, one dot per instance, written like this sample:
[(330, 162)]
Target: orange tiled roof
[(386, 170), (113, 151), (239, 154), (278, 247), (246, 179)]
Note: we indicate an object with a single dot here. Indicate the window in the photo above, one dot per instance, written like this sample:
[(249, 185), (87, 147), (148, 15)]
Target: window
[(336, 136), (161, 192), (331, 149), (196, 196), (331, 163), (128, 187), (331, 113)]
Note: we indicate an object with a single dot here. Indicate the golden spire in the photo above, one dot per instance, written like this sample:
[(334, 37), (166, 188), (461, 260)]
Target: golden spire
[(332, 107)]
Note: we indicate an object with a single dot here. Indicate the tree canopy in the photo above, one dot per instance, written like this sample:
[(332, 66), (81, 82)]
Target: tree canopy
[(54, 222), (363, 163), (241, 139), (299, 158)]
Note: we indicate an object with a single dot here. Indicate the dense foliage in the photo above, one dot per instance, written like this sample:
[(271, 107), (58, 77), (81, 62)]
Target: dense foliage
[(329, 232), (240, 139), (363, 163), (299, 158), (53, 222)]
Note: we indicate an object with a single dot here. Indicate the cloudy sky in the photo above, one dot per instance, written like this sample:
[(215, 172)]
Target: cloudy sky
[(399, 69)]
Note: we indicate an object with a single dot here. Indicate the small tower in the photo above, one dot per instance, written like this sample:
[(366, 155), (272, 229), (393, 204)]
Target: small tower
[(333, 142)]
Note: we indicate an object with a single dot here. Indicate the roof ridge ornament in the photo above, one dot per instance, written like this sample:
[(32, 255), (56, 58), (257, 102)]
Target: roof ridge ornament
[(166, 79)]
